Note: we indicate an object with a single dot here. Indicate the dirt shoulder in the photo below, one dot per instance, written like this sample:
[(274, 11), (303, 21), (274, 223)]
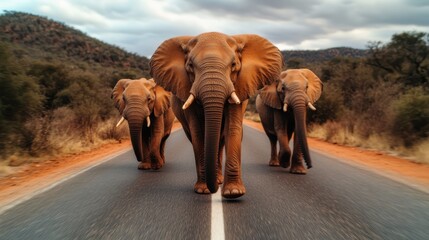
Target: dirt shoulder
[(400, 169), (35, 177)]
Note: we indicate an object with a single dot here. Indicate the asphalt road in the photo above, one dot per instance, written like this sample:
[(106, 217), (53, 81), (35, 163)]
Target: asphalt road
[(116, 201)]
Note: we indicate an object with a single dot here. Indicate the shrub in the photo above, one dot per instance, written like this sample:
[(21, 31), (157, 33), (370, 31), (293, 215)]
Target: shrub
[(411, 117)]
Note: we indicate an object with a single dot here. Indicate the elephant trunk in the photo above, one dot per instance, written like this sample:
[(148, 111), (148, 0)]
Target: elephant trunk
[(212, 94), (136, 138), (136, 115), (300, 111)]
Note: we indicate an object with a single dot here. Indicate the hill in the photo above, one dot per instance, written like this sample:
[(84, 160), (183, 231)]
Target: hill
[(313, 56), (56, 84), (40, 38)]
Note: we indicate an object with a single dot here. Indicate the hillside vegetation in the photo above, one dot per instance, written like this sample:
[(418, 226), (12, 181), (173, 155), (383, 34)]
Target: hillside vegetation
[(55, 88), (317, 56)]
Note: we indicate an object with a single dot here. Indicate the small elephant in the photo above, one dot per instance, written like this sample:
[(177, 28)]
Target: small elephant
[(282, 107), (211, 76), (147, 108)]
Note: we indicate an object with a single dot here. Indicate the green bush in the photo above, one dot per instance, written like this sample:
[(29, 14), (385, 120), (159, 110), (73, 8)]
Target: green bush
[(329, 106), (411, 117), (19, 99)]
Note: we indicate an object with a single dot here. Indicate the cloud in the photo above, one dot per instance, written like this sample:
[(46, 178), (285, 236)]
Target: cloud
[(141, 25)]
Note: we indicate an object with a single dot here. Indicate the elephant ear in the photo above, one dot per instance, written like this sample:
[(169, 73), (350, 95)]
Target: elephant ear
[(315, 85), (261, 64), (117, 94), (167, 67), (270, 96), (162, 101)]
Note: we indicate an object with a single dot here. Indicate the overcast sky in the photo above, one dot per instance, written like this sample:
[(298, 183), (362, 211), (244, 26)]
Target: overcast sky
[(139, 26)]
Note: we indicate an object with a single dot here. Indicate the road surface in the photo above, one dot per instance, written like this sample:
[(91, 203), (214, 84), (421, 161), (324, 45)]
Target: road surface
[(116, 201)]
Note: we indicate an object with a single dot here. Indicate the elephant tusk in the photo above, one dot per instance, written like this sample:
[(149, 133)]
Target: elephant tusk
[(285, 107), (235, 98), (188, 102), (148, 121), (311, 106), (120, 121)]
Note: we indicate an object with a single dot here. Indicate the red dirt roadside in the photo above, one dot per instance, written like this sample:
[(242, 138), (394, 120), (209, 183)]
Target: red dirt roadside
[(37, 176), (400, 169)]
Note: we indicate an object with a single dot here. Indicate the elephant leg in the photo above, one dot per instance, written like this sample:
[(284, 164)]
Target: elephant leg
[(285, 152), (220, 159), (274, 160), (192, 120), (168, 124), (145, 163), (198, 145), (157, 132), (282, 133), (233, 186), (162, 147), (297, 159)]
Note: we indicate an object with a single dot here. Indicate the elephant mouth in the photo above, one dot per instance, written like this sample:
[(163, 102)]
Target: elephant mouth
[(122, 120), (232, 99)]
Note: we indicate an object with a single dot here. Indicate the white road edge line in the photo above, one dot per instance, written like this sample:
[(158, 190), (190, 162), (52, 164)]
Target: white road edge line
[(3, 209), (217, 227)]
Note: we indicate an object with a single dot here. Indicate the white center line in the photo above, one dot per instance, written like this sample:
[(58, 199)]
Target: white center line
[(217, 228)]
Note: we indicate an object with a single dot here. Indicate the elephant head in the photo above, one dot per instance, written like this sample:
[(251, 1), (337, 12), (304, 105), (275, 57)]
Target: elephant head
[(138, 101), (214, 69), (297, 89)]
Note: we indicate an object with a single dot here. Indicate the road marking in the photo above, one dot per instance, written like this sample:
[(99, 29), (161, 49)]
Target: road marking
[(6, 207), (217, 228)]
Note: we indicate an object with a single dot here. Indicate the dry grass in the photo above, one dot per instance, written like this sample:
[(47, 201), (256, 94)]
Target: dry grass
[(252, 116), (336, 133), (5, 169), (58, 135), (421, 152)]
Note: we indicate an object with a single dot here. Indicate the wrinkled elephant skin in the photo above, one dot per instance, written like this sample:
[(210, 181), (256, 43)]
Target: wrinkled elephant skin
[(211, 76), (147, 108), (282, 107)]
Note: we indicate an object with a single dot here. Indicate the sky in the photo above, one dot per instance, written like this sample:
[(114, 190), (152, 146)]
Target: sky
[(140, 26)]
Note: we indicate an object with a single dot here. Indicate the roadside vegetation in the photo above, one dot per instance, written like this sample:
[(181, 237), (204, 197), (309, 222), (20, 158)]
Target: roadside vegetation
[(56, 83), (55, 89)]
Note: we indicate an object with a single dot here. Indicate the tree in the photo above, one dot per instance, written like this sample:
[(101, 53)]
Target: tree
[(19, 99), (405, 59)]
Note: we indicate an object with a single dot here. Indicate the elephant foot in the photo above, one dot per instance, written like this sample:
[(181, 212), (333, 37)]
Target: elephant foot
[(219, 178), (298, 169), (157, 163), (274, 163), (144, 166), (200, 187), (156, 166), (233, 190), (285, 163)]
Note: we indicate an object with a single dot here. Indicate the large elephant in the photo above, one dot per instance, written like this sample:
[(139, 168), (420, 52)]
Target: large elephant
[(282, 107), (205, 72), (147, 108)]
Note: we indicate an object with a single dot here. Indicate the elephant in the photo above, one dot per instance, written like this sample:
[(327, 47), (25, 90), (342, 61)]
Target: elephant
[(142, 101), (211, 76), (282, 107)]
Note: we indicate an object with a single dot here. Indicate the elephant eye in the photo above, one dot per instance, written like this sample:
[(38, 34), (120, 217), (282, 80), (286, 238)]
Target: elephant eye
[(123, 98), (233, 65), (190, 67), (149, 98)]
